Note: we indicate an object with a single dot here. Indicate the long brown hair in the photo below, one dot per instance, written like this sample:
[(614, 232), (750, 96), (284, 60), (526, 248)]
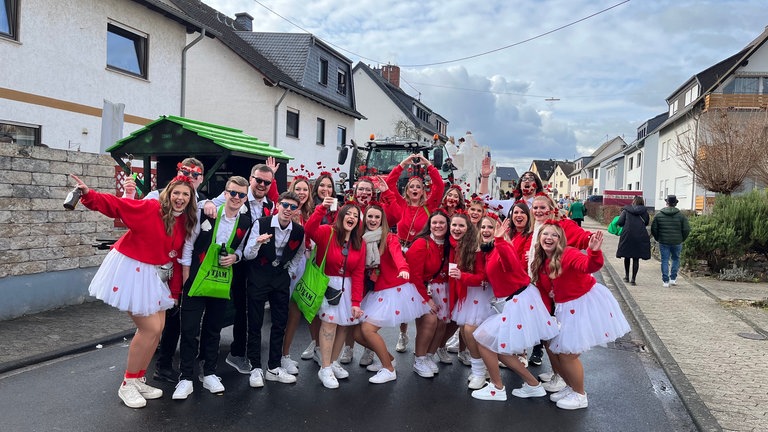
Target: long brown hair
[(316, 186), (467, 245), (356, 236), (306, 208), (522, 205), (384, 226), (166, 209), (540, 256)]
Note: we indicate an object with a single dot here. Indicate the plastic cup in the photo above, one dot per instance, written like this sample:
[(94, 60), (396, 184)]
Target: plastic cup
[(335, 205), (452, 266)]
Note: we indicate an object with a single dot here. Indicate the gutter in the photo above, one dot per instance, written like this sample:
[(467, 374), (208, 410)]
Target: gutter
[(184, 71), (277, 107)]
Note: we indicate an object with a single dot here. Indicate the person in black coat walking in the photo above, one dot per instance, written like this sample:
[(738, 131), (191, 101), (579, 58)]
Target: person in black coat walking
[(634, 243)]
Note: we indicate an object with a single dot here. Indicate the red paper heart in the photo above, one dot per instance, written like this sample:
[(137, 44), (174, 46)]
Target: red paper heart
[(138, 269), (399, 289), (293, 244), (503, 319), (114, 289), (397, 312), (531, 307), (519, 326), (573, 311), (445, 300), (381, 299), (514, 300), (475, 302), (606, 334), (323, 314), (437, 290), (503, 345), (330, 317), (493, 393), (351, 319), (549, 323)]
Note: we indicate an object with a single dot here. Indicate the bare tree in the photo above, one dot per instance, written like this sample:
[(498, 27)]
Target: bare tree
[(406, 129), (723, 147)]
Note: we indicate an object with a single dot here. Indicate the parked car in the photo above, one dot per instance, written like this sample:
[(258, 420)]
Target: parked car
[(595, 198)]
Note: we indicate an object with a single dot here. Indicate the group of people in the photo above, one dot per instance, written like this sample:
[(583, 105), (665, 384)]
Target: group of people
[(508, 274)]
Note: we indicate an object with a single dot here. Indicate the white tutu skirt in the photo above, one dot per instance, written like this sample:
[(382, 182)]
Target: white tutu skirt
[(440, 294), (476, 307), (130, 285), (393, 306), (299, 272), (523, 323), (340, 314), (592, 319)]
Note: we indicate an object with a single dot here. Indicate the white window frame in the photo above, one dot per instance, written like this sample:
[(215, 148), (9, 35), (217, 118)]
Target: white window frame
[(141, 47)]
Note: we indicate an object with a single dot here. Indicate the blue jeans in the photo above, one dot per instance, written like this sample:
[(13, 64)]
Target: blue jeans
[(666, 251)]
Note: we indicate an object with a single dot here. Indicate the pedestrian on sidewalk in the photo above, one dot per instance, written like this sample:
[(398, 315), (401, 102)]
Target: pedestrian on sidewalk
[(670, 228), (576, 212), (134, 275), (634, 243)]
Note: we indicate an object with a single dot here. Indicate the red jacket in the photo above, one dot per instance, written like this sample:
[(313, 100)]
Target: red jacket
[(424, 258), (575, 235), (521, 245), (355, 266), (391, 264), (576, 278), (146, 240), (413, 218), (504, 269)]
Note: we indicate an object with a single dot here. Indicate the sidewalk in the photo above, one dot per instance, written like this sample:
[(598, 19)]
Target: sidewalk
[(692, 328)]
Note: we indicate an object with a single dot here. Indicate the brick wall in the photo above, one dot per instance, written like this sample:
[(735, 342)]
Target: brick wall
[(36, 234)]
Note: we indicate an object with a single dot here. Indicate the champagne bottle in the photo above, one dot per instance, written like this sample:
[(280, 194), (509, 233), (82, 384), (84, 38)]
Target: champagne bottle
[(223, 250), (72, 199)]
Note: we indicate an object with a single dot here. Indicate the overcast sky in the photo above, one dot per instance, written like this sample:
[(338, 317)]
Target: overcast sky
[(610, 73)]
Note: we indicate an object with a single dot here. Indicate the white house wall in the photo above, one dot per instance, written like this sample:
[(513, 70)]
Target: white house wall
[(382, 114), (61, 55), (671, 177), (223, 88), (649, 169), (634, 175)]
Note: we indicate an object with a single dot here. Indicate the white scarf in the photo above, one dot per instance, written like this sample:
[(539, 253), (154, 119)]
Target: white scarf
[(372, 241), (536, 227)]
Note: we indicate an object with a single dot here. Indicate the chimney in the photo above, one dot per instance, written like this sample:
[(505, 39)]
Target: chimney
[(244, 21), (391, 73)]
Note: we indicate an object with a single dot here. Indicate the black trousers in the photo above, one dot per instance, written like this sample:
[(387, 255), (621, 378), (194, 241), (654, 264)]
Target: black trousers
[(272, 287), (169, 339), (240, 324), (211, 311)]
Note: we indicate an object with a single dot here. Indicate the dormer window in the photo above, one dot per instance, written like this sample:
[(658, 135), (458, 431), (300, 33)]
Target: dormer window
[(672, 108), (691, 94)]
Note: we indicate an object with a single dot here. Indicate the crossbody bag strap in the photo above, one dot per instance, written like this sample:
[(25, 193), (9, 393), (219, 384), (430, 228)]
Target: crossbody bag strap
[(322, 264), (216, 228)]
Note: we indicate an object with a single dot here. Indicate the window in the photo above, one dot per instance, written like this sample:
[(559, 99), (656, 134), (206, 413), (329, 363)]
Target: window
[(629, 186), (292, 123), (637, 185), (342, 82), (341, 137), (320, 139), (422, 114), (743, 85), (126, 51), (323, 75), (19, 133), (691, 94), (631, 161), (639, 158), (9, 19), (441, 127), (672, 108)]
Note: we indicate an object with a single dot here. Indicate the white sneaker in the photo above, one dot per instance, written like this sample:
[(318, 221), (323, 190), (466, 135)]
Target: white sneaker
[(183, 389), (422, 368), (443, 356), (490, 392), (257, 378), (377, 366), (309, 352), (546, 376), (402, 343), (665, 284), (129, 394), (556, 384), (554, 397), (465, 358), (291, 366), (345, 357), (476, 382), (382, 376), (673, 282), (573, 401), (367, 358), (338, 371), (212, 383), (527, 391), (280, 375), (430, 361), (147, 391), (327, 378)]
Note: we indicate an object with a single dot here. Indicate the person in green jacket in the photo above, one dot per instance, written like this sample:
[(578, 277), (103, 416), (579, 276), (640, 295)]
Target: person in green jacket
[(577, 211), (670, 228)]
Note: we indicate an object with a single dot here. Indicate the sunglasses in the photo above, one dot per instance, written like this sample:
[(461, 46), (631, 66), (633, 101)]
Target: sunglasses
[(527, 178), (235, 194), (260, 181), (287, 206), (192, 174)]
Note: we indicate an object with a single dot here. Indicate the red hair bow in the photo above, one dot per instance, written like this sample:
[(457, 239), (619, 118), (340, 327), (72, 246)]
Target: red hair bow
[(182, 178)]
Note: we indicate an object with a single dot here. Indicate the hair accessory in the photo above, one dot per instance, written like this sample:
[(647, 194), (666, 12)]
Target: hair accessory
[(493, 216), (182, 178), (191, 168), (461, 212), (555, 222)]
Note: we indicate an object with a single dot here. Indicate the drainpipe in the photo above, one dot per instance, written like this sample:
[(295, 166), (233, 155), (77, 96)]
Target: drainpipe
[(184, 71), (277, 107)]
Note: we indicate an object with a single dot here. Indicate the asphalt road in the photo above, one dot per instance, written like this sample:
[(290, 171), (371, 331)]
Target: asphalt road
[(627, 391)]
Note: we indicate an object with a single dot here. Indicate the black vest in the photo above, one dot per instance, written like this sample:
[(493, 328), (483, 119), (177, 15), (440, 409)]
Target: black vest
[(205, 238), (268, 251)]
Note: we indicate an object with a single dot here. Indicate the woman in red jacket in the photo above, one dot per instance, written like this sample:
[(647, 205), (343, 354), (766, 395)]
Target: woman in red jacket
[(521, 321), (393, 300), (128, 278), (587, 312), (452, 200), (428, 263), (345, 265)]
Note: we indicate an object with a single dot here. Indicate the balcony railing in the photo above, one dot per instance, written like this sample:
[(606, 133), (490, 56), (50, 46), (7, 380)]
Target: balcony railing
[(739, 101)]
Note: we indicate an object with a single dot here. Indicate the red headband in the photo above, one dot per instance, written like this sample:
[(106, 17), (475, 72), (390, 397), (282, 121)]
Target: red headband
[(182, 178), (191, 168)]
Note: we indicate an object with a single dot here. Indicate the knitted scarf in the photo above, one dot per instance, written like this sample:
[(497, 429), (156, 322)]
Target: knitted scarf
[(372, 241)]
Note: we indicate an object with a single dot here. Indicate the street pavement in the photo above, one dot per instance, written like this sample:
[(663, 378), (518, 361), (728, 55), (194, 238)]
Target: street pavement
[(691, 330)]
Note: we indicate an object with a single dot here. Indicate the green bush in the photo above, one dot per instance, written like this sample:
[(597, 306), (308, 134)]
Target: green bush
[(737, 225)]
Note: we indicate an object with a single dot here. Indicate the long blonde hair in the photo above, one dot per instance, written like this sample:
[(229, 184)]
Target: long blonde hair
[(166, 208), (423, 199), (540, 256)]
